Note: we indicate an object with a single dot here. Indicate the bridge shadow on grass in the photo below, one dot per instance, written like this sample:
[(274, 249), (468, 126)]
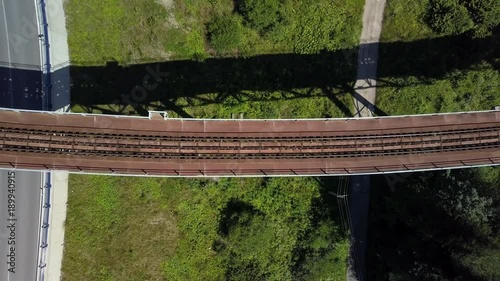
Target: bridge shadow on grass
[(160, 86)]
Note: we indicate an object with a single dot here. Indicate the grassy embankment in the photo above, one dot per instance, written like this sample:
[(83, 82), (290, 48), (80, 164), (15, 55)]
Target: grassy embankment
[(176, 229)]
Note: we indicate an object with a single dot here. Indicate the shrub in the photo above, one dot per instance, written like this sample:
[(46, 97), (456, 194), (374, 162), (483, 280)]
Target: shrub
[(448, 17), (260, 14), (225, 32)]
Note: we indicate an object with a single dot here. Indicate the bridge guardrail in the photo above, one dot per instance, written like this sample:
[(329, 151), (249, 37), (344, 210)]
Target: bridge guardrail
[(46, 105), (244, 120)]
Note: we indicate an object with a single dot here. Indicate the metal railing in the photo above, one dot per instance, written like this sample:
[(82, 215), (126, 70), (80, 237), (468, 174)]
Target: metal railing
[(152, 112), (46, 79), (47, 105), (44, 228)]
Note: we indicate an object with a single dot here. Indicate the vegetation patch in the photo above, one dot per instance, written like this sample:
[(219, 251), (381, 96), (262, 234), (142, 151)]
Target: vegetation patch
[(441, 225), (415, 20), (114, 30), (225, 33), (95, 30), (181, 229), (448, 17), (119, 228), (295, 61), (260, 14), (403, 21), (459, 16), (438, 56), (144, 30), (467, 90)]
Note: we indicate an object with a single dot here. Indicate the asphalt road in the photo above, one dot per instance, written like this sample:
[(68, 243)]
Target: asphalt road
[(359, 203), (20, 74), (20, 87), (19, 224)]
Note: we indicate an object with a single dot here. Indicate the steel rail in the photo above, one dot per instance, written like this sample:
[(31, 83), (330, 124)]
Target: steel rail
[(256, 155), (311, 143), (243, 138), (311, 146)]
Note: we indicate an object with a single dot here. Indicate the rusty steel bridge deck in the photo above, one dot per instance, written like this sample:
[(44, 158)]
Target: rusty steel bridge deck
[(196, 147)]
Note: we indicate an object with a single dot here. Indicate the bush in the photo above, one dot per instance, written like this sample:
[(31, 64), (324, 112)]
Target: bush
[(260, 14), (448, 17), (225, 33)]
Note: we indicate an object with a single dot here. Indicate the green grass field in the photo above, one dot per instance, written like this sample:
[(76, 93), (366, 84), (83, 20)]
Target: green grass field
[(144, 30), (119, 228), (114, 30)]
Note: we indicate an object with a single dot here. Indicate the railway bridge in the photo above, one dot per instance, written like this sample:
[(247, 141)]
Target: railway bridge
[(160, 146)]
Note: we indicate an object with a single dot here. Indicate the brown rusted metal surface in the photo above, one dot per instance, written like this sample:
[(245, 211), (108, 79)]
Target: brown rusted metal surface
[(190, 147)]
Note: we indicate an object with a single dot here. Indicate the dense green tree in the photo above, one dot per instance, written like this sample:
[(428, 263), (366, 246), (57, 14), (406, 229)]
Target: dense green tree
[(260, 14), (458, 16), (484, 13), (225, 32), (483, 262), (437, 226), (448, 17), (457, 194)]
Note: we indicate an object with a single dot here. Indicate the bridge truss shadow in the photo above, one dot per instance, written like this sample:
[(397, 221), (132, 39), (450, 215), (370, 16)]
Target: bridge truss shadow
[(114, 89)]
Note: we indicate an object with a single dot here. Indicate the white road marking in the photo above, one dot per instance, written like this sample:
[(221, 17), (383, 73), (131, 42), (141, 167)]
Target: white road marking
[(8, 53)]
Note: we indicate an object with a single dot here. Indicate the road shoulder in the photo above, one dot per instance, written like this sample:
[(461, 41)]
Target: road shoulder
[(57, 220), (59, 56)]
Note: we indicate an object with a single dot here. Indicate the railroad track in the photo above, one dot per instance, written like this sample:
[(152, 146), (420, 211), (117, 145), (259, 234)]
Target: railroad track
[(190, 147), (93, 144)]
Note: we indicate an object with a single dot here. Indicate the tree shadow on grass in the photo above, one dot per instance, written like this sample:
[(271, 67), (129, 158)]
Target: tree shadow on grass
[(160, 86)]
